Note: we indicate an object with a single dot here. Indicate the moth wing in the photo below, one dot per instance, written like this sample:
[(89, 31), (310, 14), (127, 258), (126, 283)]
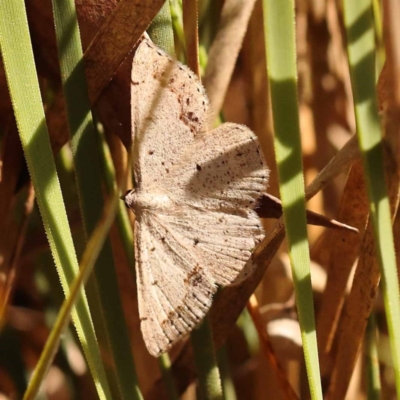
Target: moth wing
[(174, 290), (223, 170), (220, 242), (168, 108)]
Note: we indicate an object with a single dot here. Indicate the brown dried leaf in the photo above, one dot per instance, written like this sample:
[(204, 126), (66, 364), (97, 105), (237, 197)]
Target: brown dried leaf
[(366, 280), (115, 39), (344, 248), (355, 316)]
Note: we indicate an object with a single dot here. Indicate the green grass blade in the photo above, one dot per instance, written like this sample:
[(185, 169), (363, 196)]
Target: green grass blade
[(206, 362), (161, 31), (279, 22), (228, 386), (88, 167), (24, 89), (246, 325), (90, 255), (361, 53), (373, 373)]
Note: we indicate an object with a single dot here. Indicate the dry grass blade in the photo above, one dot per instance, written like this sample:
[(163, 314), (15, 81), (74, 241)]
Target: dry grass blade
[(366, 280), (11, 164), (190, 25), (390, 110), (344, 247), (355, 317), (224, 51), (14, 244), (287, 390), (57, 123), (391, 10), (340, 163), (271, 207)]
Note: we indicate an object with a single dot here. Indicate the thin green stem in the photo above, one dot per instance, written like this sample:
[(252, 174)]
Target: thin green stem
[(279, 24), (206, 362)]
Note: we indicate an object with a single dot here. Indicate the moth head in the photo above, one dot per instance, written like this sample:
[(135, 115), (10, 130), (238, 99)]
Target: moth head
[(128, 198)]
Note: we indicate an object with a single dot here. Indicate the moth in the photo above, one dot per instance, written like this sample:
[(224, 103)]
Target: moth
[(194, 198)]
